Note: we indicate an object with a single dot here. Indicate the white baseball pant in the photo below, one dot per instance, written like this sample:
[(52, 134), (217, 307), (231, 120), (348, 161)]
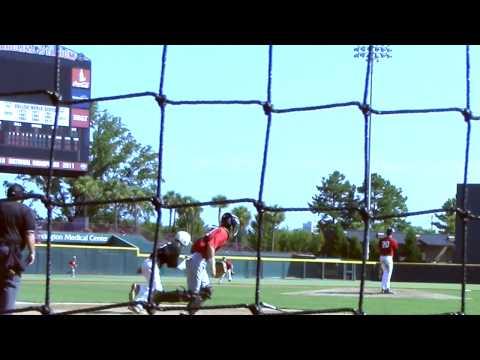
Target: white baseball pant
[(197, 276), (227, 274), (387, 267), (183, 265), (142, 294)]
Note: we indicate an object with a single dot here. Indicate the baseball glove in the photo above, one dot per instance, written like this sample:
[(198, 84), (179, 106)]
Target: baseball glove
[(220, 269)]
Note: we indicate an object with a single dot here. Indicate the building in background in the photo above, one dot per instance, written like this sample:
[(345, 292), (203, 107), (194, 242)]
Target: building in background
[(307, 226)]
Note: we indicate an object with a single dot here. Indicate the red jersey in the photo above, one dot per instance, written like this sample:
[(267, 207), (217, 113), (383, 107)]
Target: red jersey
[(216, 238), (72, 263), (229, 265), (388, 246)]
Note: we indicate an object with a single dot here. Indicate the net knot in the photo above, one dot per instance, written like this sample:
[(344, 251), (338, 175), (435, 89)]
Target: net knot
[(259, 205), (366, 109), (55, 97), (450, 211), (467, 115), (267, 108), (157, 202), (149, 307), (45, 310), (161, 100), (365, 214), (47, 201), (464, 214)]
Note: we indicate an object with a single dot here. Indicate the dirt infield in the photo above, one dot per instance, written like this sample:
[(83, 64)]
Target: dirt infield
[(372, 293), (61, 307), (58, 308)]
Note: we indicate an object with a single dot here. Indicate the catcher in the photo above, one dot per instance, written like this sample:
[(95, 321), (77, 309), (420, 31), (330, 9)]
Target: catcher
[(166, 254), (203, 251), (203, 257)]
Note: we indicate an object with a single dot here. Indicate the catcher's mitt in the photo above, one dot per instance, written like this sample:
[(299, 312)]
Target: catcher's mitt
[(220, 269)]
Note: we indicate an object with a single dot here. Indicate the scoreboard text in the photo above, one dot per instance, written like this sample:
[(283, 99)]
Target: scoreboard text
[(26, 121)]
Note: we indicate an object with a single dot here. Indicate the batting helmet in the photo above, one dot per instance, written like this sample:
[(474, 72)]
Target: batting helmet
[(231, 222), (390, 231)]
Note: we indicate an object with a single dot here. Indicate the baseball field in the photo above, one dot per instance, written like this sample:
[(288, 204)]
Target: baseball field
[(288, 294)]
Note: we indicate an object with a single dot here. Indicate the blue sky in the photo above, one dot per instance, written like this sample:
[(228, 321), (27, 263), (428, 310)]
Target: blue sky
[(211, 150)]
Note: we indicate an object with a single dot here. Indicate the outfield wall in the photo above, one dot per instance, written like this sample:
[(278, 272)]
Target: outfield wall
[(109, 260), (91, 260)]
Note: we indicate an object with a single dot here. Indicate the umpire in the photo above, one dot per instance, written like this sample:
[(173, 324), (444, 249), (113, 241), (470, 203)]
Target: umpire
[(17, 230)]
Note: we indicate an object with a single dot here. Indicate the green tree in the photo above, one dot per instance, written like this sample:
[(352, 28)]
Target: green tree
[(276, 219), (59, 193), (244, 216), (299, 241), (374, 252), (189, 218), (118, 167), (386, 199), (219, 206), (411, 251), (283, 241), (335, 241), (317, 241), (170, 198), (116, 155), (446, 222), (354, 248), (271, 222), (335, 192), (419, 230), (177, 199)]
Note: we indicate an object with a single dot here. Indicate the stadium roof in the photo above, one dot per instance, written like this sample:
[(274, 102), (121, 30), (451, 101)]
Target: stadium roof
[(137, 241), (436, 239)]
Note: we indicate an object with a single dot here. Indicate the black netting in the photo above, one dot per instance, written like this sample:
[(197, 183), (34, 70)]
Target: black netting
[(267, 107)]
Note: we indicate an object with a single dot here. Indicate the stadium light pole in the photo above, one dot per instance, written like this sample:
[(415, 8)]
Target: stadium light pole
[(377, 52)]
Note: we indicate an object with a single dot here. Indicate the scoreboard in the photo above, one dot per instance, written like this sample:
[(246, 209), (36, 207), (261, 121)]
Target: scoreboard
[(26, 121)]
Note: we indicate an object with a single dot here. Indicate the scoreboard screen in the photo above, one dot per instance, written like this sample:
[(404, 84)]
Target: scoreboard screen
[(26, 121)]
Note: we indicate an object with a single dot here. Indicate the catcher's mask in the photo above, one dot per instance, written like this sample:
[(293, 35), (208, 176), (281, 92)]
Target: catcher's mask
[(231, 222), (183, 238)]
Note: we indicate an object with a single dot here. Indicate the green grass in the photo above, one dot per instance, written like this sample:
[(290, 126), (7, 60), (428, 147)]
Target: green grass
[(108, 289)]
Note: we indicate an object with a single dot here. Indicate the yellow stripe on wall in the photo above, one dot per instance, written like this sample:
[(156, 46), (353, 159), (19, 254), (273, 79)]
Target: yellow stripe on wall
[(250, 258)]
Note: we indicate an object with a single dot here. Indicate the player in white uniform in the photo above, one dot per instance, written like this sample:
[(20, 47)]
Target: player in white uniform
[(166, 254)]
